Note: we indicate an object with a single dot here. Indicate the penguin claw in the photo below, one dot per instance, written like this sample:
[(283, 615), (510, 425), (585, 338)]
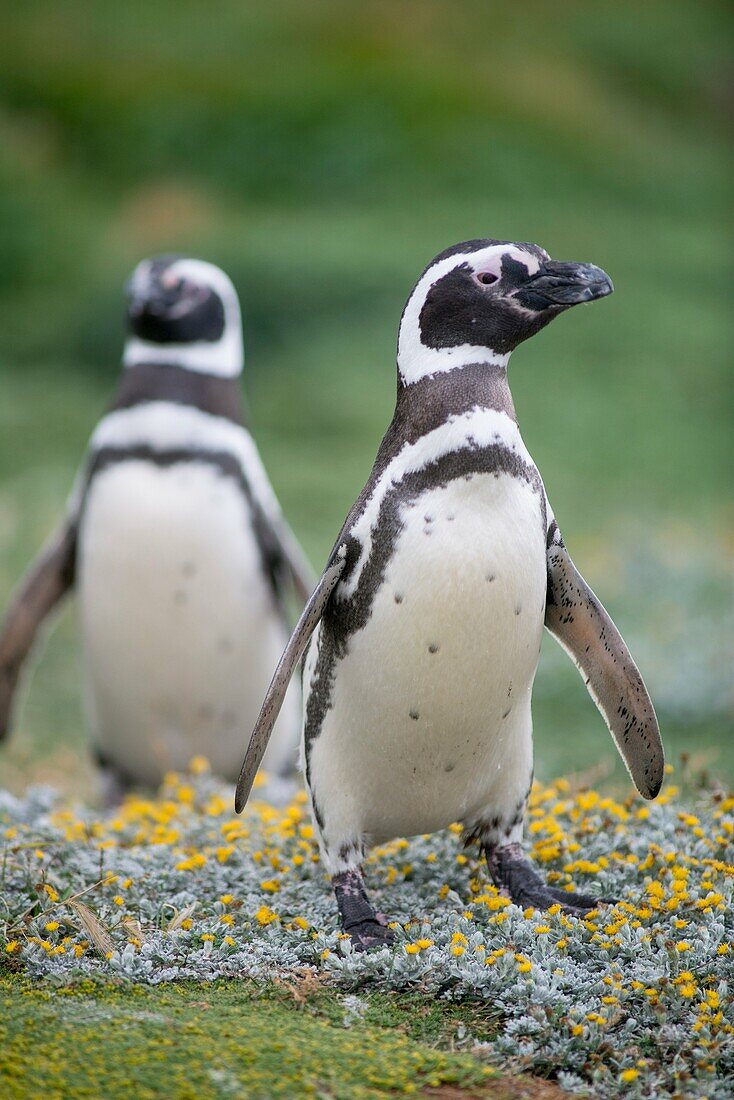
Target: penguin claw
[(370, 935)]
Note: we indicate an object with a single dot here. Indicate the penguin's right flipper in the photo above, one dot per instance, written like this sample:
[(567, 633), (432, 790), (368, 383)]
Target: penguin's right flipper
[(46, 583), (292, 654), (579, 622)]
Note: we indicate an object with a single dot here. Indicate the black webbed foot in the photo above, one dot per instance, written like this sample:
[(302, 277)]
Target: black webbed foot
[(579, 901), (514, 874), (366, 928), (369, 935)]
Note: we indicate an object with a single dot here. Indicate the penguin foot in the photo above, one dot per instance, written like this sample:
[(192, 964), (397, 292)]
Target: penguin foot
[(515, 876), (370, 935), (366, 928)]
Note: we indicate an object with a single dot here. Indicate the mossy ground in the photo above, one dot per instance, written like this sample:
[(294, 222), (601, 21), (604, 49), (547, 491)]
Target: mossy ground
[(238, 1038)]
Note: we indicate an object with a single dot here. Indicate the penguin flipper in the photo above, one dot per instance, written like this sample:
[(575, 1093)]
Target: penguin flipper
[(46, 583), (292, 654), (579, 622), (296, 562)]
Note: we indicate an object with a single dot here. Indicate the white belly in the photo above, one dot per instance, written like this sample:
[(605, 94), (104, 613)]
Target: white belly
[(430, 719), (179, 629)]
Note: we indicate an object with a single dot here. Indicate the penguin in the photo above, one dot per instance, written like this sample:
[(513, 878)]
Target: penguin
[(422, 637), (175, 546)]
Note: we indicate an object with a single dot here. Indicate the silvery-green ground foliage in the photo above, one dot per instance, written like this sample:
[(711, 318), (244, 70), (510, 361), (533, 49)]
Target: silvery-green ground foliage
[(636, 999)]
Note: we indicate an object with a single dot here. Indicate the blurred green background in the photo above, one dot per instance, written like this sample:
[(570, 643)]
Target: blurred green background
[(322, 153)]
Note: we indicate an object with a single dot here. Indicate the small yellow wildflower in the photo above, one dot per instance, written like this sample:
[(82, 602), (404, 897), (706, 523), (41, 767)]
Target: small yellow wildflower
[(457, 949), (412, 948), (51, 926), (229, 941), (628, 1075), (118, 900), (12, 946), (265, 916)]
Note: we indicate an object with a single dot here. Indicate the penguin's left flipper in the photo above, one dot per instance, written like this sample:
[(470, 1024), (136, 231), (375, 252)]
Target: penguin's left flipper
[(578, 621), (292, 654), (296, 562), (46, 583)]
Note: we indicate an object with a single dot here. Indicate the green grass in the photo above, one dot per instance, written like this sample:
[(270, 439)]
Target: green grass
[(231, 1038)]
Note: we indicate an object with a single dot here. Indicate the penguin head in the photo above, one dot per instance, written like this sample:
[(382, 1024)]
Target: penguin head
[(184, 312), (477, 301)]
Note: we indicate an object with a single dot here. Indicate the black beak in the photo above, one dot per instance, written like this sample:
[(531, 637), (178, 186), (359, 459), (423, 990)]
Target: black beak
[(144, 296), (562, 285)]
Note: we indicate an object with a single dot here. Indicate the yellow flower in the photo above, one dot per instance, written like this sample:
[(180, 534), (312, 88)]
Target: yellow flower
[(325, 953), (424, 944), (12, 946), (265, 916), (118, 900), (271, 886), (301, 922), (577, 1029), (207, 937), (226, 899), (51, 926), (458, 937), (687, 990), (524, 967), (541, 929), (412, 948), (628, 1075), (226, 918), (229, 941), (683, 945), (186, 924)]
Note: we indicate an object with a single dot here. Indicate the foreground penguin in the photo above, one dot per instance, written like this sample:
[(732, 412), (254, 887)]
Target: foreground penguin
[(427, 621), (176, 547)]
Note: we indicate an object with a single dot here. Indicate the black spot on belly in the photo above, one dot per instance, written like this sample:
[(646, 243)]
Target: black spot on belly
[(507, 712), (450, 518), (414, 715), (433, 648), (428, 518), (518, 609), (398, 597), (489, 577)]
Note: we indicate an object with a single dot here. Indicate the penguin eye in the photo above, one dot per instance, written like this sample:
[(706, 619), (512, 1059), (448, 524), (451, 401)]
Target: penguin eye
[(486, 278)]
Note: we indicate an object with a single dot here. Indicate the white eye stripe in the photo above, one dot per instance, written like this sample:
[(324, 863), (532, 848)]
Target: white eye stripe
[(415, 360)]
